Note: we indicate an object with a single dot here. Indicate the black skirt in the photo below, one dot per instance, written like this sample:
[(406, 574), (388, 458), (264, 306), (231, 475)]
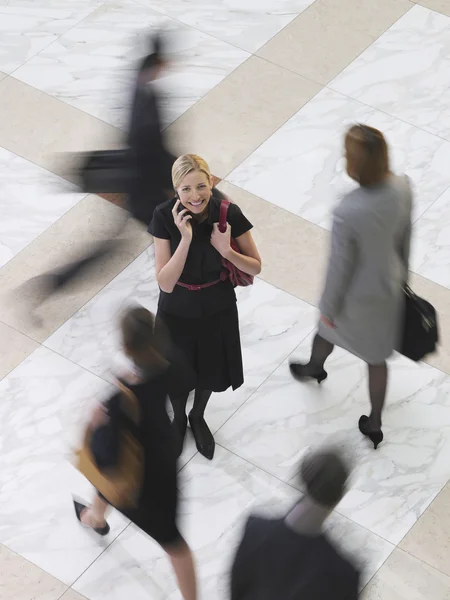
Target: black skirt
[(212, 347)]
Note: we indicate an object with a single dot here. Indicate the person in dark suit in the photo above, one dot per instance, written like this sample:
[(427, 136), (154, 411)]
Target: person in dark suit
[(291, 558), (149, 153), (152, 164)]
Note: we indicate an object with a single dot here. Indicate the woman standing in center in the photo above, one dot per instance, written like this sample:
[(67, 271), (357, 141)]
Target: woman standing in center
[(197, 302)]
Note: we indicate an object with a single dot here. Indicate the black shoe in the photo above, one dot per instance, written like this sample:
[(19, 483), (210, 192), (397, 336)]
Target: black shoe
[(179, 430), (203, 437), (374, 436), (79, 508), (301, 372)]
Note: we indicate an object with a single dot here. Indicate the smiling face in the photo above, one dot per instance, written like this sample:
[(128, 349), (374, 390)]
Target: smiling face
[(195, 191)]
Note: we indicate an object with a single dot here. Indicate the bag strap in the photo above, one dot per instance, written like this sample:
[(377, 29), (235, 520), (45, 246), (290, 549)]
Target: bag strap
[(224, 206), (131, 404)]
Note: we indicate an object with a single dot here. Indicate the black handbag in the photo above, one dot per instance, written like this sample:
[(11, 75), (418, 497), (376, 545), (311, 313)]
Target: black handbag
[(420, 328), (107, 172)]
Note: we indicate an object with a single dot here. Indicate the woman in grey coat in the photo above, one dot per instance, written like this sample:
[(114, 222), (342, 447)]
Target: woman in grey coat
[(362, 303)]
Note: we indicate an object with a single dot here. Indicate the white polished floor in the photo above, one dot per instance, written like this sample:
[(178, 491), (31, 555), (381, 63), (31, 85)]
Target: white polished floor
[(80, 52)]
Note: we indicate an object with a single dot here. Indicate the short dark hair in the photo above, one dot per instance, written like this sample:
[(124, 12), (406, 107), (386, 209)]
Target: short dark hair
[(325, 475), (367, 155)]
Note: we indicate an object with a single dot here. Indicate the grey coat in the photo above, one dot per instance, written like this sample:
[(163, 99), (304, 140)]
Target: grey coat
[(367, 268)]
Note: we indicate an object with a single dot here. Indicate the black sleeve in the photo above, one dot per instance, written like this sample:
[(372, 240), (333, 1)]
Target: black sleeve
[(239, 223), (158, 226)]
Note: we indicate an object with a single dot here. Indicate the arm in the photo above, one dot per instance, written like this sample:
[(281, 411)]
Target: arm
[(168, 267), (249, 261), (405, 245), (340, 268)]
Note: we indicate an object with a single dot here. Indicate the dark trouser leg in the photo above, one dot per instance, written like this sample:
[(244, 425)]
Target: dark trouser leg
[(321, 350), (179, 423), (378, 376), (203, 436)]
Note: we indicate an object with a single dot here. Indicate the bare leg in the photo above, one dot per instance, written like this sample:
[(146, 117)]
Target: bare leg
[(378, 376), (183, 564), (94, 516)]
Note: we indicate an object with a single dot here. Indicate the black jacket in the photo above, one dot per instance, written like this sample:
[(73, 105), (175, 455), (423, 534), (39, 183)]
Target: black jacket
[(149, 154), (275, 563)]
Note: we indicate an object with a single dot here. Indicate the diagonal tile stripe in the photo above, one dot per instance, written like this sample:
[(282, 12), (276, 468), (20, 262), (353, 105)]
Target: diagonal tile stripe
[(329, 34)]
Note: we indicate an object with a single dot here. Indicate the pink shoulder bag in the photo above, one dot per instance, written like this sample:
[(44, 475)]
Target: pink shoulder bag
[(235, 275)]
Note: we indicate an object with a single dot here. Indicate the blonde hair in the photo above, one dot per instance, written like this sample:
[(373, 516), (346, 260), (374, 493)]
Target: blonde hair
[(367, 155), (186, 164)]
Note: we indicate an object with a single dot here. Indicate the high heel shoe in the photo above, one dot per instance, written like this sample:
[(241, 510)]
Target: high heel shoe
[(376, 437), (204, 439), (300, 372), (79, 510)]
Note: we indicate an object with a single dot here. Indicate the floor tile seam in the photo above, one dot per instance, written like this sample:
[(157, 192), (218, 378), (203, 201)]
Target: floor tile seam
[(422, 560), (56, 39), (36, 566), (215, 36), (92, 298), (431, 206), (34, 240), (50, 172), (375, 38), (287, 483), (241, 406), (327, 231), (270, 135), (71, 587), (381, 110), (43, 342)]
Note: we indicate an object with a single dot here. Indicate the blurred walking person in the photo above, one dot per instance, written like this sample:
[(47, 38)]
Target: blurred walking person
[(147, 164), (363, 301), (158, 370), (291, 558)]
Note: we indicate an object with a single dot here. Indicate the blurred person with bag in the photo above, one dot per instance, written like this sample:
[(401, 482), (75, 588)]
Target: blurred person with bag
[(292, 558), (203, 249), (128, 453), (362, 306), (143, 171)]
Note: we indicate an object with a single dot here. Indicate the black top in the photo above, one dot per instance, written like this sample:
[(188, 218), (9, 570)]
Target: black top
[(275, 563), (203, 263)]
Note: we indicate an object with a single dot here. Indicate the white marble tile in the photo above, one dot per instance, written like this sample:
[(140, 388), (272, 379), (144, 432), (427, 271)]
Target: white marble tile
[(272, 324), (216, 499), (246, 24), (431, 247), (44, 402), (405, 72), (27, 27), (92, 66), (394, 484), (301, 167), (32, 199)]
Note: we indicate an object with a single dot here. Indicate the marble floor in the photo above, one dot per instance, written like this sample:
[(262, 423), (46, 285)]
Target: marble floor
[(264, 90)]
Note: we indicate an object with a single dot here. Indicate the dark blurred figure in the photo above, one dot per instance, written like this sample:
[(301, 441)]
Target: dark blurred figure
[(148, 151), (158, 370), (291, 558), (152, 164)]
